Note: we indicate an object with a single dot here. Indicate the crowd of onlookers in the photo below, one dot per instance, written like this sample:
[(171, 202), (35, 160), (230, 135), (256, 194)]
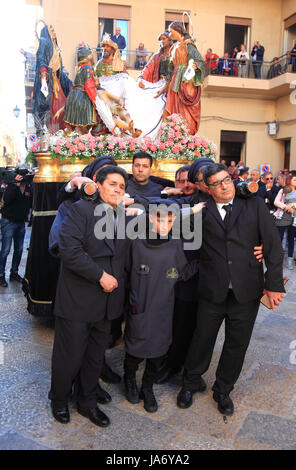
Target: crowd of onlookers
[(238, 62), (279, 194)]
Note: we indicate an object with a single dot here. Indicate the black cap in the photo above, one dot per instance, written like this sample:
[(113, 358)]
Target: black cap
[(195, 167)]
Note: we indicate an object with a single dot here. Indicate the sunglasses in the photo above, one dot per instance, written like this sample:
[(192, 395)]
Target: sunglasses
[(269, 179)]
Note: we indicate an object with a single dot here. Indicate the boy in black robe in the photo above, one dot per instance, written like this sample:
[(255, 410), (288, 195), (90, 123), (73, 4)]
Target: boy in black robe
[(157, 262)]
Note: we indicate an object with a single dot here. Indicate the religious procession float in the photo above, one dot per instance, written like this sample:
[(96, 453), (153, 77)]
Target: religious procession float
[(107, 112)]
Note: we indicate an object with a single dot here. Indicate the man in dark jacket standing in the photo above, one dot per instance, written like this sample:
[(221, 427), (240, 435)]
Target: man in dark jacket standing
[(16, 206), (231, 283), (257, 58), (90, 294)]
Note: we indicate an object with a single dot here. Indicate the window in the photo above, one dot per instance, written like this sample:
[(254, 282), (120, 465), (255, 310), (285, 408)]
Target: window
[(289, 33), (237, 32), (112, 17), (171, 16)]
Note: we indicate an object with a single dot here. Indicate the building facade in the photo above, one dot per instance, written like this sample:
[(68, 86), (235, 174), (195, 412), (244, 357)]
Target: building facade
[(250, 119)]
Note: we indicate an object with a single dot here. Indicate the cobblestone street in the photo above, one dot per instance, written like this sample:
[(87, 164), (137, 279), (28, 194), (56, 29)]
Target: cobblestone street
[(264, 397)]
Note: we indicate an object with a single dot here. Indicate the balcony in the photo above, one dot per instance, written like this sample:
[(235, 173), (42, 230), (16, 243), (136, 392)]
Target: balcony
[(272, 82)]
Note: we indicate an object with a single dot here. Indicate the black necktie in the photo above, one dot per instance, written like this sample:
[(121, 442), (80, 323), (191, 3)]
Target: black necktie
[(115, 223), (227, 208)]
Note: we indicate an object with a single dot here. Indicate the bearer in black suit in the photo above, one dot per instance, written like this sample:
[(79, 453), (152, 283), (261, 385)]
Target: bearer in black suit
[(90, 294), (231, 283)]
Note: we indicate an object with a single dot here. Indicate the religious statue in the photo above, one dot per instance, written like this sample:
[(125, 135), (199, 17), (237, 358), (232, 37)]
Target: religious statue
[(187, 75), (52, 84), (122, 119), (158, 66), (80, 108), (111, 62)]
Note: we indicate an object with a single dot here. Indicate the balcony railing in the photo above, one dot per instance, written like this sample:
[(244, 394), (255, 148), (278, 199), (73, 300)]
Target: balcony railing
[(250, 69), (223, 67), (30, 68), (130, 58)]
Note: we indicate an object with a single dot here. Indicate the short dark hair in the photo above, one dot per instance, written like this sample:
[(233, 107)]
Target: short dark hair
[(203, 169), (212, 170), (181, 170), (110, 170), (143, 155)]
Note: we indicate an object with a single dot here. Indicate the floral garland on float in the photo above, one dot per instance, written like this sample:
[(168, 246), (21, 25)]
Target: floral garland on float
[(173, 142)]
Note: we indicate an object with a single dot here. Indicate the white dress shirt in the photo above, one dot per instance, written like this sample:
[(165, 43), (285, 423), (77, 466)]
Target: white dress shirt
[(222, 211)]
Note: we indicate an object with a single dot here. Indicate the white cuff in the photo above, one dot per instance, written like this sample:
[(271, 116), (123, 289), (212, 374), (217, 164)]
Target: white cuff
[(68, 188)]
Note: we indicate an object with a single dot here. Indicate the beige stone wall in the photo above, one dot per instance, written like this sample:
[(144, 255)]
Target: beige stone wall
[(75, 21), (253, 114), (286, 111), (288, 8)]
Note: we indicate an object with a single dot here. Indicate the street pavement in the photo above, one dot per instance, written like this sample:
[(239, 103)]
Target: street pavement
[(264, 396)]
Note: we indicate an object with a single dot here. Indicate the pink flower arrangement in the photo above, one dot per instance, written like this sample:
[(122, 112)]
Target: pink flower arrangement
[(173, 141)]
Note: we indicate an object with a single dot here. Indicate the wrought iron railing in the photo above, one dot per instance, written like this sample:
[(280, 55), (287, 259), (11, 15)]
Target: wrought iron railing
[(219, 66), (250, 69)]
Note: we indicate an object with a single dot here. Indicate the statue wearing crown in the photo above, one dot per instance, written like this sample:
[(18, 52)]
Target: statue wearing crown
[(111, 62)]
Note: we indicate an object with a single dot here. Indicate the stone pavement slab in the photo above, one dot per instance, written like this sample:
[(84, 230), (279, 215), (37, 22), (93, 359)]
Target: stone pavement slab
[(264, 396)]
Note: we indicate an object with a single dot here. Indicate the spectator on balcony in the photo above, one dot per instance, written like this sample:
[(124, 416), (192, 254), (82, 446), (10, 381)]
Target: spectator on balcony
[(225, 65), (211, 60), (141, 54), (275, 69), (257, 58), (293, 58), (30, 64), (119, 39), (243, 59), (233, 61)]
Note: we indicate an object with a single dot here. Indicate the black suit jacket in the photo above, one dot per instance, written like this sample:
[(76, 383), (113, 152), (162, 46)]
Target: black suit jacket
[(84, 258), (228, 256)]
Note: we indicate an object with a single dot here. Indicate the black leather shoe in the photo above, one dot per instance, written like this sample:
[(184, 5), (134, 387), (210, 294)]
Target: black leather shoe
[(3, 282), (108, 376), (103, 397), (95, 415), (150, 403), (225, 404), (184, 398), (60, 413), (15, 277), (131, 390)]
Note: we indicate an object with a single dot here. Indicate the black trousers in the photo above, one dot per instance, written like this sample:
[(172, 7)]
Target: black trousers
[(239, 323), (78, 354), (131, 364), (184, 322)]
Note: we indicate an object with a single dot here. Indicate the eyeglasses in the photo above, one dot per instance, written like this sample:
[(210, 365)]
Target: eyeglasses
[(199, 181), (226, 180)]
